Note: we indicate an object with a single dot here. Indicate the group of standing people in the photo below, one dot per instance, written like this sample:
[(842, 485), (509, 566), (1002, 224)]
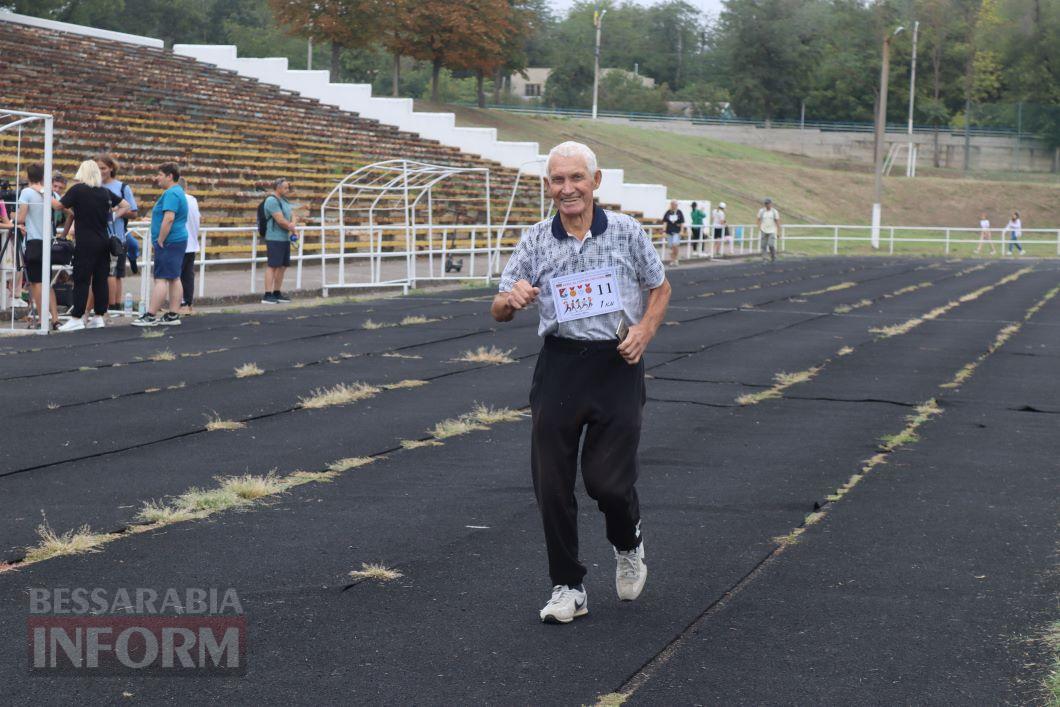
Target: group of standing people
[(1011, 234), (96, 211), (719, 234)]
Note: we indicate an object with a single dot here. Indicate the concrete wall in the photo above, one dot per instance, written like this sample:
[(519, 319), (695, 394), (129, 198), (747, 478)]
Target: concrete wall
[(986, 153), (647, 198)]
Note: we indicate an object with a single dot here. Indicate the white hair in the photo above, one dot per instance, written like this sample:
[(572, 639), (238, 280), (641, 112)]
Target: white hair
[(574, 149), (88, 173)]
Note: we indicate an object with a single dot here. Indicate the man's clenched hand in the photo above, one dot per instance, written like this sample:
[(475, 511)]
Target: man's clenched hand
[(522, 295), (636, 341)]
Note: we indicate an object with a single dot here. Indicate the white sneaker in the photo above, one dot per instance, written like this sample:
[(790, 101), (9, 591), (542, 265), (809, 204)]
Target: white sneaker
[(17, 303), (566, 604), (96, 322), (73, 324), (630, 573)]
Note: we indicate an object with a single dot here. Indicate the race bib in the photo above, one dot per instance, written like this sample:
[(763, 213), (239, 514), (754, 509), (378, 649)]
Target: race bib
[(585, 294)]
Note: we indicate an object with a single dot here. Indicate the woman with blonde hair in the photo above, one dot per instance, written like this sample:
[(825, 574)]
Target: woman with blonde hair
[(93, 206)]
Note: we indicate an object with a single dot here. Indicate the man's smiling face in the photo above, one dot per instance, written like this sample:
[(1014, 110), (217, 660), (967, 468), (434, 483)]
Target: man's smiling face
[(571, 186)]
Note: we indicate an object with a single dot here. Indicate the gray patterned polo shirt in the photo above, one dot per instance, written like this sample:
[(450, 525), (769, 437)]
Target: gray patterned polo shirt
[(616, 241)]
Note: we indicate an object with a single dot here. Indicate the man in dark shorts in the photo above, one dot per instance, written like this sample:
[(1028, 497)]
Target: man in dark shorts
[(169, 235), (281, 227), (602, 295), (30, 202)]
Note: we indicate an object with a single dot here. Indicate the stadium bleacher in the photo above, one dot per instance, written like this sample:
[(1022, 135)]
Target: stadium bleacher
[(231, 134)]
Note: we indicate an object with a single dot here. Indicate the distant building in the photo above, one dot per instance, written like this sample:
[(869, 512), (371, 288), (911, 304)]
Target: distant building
[(531, 83)]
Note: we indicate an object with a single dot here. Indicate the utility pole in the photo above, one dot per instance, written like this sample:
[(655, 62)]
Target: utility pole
[(1019, 135), (881, 131), (598, 21), (910, 165), (309, 55)]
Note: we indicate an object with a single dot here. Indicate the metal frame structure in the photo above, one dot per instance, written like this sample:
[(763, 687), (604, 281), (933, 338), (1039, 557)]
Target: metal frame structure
[(393, 187), (10, 119)]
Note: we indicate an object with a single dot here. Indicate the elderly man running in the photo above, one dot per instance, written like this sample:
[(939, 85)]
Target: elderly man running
[(602, 295)]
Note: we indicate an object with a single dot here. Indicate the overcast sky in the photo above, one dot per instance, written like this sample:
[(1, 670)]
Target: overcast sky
[(711, 7)]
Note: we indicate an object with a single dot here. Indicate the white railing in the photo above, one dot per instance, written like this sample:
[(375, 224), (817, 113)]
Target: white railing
[(1034, 241), (484, 252)]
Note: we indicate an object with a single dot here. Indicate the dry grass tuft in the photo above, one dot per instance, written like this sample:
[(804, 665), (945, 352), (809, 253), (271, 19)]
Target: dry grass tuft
[(454, 427), (612, 699), (886, 332), (165, 355), (755, 398), (416, 319), (787, 380), (487, 355), (369, 324), (790, 539), (72, 542), (488, 415), (395, 354), (407, 383), (418, 443), (248, 369), (349, 463), (340, 394), (250, 487), (297, 478), (54, 406), (159, 513), (215, 424), (845, 351), (378, 572), (199, 501), (152, 333), (833, 288)]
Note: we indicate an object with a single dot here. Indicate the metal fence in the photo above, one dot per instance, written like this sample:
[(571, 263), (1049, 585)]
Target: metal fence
[(484, 250), (975, 130)]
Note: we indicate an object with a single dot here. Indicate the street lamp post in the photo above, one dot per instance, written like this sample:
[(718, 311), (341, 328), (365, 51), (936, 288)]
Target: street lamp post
[(598, 21), (881, 130), (910, 165)]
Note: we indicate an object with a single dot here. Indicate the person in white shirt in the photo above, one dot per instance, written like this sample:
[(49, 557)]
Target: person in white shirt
[(187, 271), (1013, 230), (768, 223), (717, 229), (984, 234)]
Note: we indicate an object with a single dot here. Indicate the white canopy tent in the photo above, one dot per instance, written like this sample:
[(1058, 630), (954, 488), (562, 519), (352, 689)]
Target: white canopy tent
[(384, 217)]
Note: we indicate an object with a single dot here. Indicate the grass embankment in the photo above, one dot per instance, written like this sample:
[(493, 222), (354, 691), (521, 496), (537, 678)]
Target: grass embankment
[(806, 190)]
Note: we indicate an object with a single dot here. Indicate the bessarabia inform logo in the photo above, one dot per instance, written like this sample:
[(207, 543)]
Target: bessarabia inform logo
[(101, 631)]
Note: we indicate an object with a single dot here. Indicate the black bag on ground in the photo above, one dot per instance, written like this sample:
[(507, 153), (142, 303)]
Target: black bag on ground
[(64, 293)]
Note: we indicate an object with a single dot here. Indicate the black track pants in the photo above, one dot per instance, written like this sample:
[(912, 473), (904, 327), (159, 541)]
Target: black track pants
[(585, 385), (187, 279), (91, 269)]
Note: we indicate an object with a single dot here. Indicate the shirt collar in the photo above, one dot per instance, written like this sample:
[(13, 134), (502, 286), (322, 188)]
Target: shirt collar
[(598, 226)]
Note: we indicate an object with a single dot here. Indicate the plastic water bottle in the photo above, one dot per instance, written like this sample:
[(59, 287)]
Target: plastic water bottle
[(127, 305), (143, 307)]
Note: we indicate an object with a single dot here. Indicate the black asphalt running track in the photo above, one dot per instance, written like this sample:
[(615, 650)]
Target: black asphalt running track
[(928, 583)]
